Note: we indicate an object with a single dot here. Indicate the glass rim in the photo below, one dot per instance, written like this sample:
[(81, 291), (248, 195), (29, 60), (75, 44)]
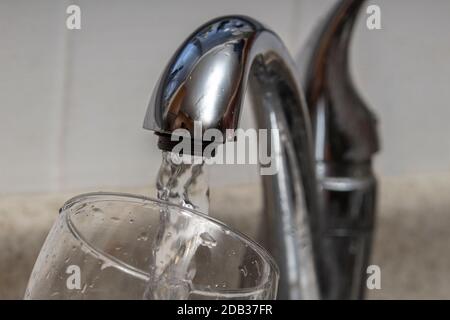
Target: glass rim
[(102, 195)]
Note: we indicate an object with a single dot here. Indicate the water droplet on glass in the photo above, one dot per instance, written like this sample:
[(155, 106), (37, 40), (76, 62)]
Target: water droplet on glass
[(207, 240), (142, 236), (105, 265), (244, 270)]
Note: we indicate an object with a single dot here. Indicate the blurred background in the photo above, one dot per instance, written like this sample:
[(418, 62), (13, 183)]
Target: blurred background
[(72, 103)]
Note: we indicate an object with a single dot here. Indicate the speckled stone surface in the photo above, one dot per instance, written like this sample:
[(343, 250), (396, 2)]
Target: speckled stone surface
[(411, 243)]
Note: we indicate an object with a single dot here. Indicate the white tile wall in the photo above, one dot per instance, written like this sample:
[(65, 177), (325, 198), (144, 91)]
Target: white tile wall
[(31, 78), (72, 102)]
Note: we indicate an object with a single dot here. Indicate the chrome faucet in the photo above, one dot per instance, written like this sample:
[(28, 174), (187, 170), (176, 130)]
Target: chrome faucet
[(324, 188)]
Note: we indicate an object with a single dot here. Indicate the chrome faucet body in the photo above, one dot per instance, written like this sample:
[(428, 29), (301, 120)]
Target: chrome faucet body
[(346, 139), (205, 82)]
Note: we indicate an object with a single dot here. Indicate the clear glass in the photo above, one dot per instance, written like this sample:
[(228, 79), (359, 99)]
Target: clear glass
[(120, 246)]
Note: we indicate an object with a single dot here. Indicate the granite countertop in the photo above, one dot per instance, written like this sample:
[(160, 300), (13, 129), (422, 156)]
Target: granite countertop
[(411, 239)]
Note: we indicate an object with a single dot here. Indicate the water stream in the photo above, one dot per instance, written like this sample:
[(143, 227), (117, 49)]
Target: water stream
[(172, 265), (183, 183)]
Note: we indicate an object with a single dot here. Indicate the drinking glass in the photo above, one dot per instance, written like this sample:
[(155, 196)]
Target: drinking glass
[(121, 246)]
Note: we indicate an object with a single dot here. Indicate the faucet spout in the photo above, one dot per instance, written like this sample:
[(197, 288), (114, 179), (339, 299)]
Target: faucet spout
[(206, 81)]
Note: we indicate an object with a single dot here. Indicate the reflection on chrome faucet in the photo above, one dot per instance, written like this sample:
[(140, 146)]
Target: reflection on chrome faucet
[(322, 190)]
